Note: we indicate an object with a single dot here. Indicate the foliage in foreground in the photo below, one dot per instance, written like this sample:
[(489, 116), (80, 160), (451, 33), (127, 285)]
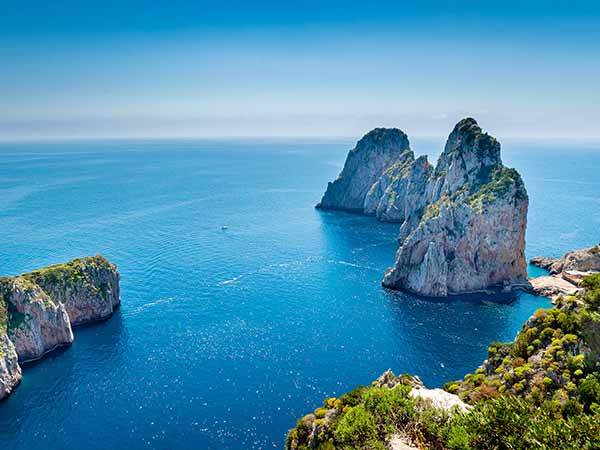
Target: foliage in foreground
[(541, 391), (367, 418)]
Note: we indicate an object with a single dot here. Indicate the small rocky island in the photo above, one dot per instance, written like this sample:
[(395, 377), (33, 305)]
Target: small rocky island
[(38, 310), (462, 222)]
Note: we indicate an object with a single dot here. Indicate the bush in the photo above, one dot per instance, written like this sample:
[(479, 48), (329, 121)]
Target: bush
[(589, 391), (356, 429)]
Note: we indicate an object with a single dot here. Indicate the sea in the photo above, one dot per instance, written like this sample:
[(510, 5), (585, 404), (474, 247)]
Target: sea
[(243, 307)]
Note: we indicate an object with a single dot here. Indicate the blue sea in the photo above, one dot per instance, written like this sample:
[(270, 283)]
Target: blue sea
[(226, 336)]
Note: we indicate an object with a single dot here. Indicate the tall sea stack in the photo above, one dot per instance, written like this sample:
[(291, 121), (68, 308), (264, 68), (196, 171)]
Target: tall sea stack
[(462, 222), (365, 164)]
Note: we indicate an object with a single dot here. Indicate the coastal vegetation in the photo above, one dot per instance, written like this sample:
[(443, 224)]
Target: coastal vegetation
[(540, 391)]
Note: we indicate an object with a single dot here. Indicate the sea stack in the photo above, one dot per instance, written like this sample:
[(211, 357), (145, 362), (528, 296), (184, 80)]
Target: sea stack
[(38, 310), (462, 222), (374, 153)]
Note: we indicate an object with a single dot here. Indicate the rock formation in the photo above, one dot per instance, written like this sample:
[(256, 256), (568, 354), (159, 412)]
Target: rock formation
[(38, 309), (462, 223), (587, 260), (566, 273), (365, 164)]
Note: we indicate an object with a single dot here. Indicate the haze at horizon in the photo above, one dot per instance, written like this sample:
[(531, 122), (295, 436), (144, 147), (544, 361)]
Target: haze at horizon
[(229, 69)]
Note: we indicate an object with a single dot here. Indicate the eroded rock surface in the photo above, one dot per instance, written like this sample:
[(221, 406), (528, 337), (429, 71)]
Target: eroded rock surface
[(587, 260), (462, 223), (38, 309), (366, 163)]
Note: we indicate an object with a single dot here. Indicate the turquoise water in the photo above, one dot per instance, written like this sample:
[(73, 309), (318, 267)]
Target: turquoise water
[(225, 337)]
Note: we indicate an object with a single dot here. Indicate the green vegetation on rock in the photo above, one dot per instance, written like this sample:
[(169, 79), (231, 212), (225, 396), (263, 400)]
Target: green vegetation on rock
[(78, 271), (503, 180), (541, 391), (557, 349)]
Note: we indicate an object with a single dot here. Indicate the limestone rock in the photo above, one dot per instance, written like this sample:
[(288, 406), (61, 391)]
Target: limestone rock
[(88, 287), (471, 236), (406, 196), (462, 224), (587, 260), (365, 164), (37, 310), (40, 324), (10, 371), (440, 399), (553, 286)]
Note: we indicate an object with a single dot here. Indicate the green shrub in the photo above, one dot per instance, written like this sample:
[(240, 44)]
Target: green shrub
[(589, 391), (356, 429)]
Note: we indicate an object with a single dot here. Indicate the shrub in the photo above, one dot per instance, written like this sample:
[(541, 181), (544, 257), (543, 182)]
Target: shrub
[(589, 391), (356, 429)]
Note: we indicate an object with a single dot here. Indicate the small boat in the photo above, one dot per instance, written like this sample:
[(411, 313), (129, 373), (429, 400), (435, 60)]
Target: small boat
[(224, 227)]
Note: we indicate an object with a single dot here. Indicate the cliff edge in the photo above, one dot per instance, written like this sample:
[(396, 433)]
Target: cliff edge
[(38, 310)]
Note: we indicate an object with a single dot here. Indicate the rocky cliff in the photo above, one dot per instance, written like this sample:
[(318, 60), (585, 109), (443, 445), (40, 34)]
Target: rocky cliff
[(38, 310), (366, 163), (462, 222)]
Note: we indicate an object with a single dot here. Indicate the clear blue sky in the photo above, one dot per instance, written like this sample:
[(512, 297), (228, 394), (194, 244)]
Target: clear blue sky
[(290, 68)]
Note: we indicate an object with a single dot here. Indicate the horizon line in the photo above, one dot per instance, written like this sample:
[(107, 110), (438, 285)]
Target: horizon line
[(75, 138)]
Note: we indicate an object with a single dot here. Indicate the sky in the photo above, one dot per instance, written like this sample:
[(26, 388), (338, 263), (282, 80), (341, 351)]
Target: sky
[(157, 68)]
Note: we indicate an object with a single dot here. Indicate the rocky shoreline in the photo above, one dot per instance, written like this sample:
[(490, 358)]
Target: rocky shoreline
[(529, 392), (566, 273), (39, 309), (462, 222)]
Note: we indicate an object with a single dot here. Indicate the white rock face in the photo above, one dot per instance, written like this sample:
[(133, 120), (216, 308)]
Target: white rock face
[(365, 164), (10, 371), (44, 323), (37, 310), (462, 224), (440, 399), (471, 236)]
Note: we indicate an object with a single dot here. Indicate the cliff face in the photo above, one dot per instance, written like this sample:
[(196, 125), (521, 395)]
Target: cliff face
[(38, 323), (38, 309), (10, 371), (365, 164), (462, 223), (88, 287)]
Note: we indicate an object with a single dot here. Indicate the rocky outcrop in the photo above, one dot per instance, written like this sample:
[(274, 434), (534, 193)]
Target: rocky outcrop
[(566, 273), (366, 163), (587, 260), (38, 309), (88, 287), (10, 371), (553, 286), (462, 223), (38, 323)]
